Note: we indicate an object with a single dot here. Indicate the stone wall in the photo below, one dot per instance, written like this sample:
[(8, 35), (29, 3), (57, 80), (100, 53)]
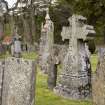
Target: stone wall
[(18, 82)]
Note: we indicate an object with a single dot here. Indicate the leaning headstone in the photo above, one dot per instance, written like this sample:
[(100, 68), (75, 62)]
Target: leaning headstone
[(75, 79), (98, 83), (19, 82)]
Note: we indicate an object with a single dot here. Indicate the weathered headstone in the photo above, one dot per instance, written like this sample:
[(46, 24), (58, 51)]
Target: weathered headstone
[(16, 46), (18, 82), (46, 42), (52, 72), (98, 82), (2, 64), (75, 79), (55, 59)]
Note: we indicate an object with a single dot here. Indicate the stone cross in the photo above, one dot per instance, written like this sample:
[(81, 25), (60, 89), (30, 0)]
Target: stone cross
[(77, 30), (75, 79)]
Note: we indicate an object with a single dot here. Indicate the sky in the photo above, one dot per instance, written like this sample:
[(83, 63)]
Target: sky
[(11, 2)]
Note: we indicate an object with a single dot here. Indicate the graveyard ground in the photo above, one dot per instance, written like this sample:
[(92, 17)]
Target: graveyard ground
[(46, 97)]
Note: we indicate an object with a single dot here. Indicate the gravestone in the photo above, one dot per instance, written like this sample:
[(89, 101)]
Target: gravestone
[(48, 60), (55, 59), (46, 42), (52, 72), (2, 62), (18, 82), (60, 52), (75, 79), (16, 47), (98, 81), (1, 29)]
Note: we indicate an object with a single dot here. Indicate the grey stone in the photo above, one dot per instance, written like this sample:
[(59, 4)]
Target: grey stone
[(75, 79), (2, 63), (16, 47), (52, 75), (98, 80), (19, 82), (46, 43)]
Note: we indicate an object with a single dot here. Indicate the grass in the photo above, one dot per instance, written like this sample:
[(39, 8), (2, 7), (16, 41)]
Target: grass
[(5, 55), (94, 61), (46, 97), (25, 55), (30, 55)]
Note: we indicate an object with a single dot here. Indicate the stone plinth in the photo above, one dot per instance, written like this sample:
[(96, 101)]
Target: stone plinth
[(74, 82), (19, 82), (98, 81)]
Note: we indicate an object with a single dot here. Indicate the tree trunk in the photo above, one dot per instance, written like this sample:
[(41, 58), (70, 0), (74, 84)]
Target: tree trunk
[(32, 17)]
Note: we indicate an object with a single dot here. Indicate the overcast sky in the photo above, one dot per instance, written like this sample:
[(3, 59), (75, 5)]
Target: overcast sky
[(11, 2)]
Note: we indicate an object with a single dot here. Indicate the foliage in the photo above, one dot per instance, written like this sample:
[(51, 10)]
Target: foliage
[(59, 15), (94, 10)]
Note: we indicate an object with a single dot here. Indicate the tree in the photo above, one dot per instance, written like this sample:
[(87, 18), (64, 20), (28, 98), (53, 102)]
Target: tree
[(94, 10), (28, 11)]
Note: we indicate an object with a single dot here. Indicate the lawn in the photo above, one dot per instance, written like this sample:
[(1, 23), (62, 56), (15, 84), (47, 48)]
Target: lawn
[(25, 55), (94, 61), (46, 97), (30, 55)]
